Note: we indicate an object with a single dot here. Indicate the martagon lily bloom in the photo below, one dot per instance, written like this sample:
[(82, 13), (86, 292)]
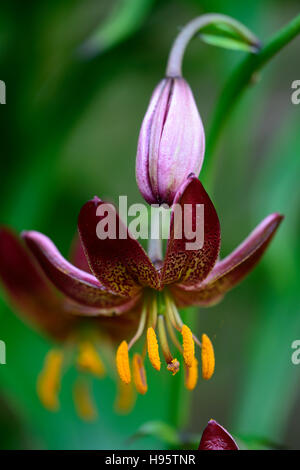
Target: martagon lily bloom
[(215, 437), (76, 338), (122, 289)]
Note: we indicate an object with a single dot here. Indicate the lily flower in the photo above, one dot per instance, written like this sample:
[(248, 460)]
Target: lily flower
[(124, 288), (76, 338), (215, 437)]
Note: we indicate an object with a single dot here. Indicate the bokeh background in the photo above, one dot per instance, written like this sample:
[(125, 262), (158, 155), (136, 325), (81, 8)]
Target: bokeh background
[(69, 130)]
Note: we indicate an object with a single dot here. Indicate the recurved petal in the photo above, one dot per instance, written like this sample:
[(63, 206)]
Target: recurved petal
[(116, 259), (189, 257), (76, 284), (77, 255), (232, 269), (215, 437), (28, 289)]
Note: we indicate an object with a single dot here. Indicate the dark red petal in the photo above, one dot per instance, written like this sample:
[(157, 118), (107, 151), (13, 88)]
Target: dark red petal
[(185, 265), (79, 285), (231, 270), (121, 265), (77, 255), (28, 289), (110, 311), (215, 437)]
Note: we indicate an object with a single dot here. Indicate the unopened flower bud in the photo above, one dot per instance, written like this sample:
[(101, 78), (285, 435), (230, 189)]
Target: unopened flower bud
[(171, 141)]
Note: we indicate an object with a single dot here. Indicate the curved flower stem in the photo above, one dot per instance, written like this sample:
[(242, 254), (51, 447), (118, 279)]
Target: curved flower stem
[(238, 82), (192, 28)]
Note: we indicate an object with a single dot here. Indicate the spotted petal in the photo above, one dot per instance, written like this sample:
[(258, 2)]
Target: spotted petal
[(183, 262), (232, 269), (78, 285), (119, 262), (215, 437), (29, 290)]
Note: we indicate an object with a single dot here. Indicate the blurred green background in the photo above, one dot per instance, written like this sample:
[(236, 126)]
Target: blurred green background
[(79, 75)]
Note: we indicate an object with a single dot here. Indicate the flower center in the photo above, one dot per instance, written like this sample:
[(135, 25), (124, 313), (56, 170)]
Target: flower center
[(160, 322)]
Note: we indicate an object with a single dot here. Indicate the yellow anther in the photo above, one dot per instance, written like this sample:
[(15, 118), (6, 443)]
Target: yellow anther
[(125, 399), (89, 360), (188, 346), (83, 401), (191, 376), (122, 361), (173, 366), (139, 374), (152, 345), (48, 383), (207, 357)]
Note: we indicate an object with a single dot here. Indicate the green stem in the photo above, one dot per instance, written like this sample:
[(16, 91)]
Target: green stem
[(194, 27), (238, 82)]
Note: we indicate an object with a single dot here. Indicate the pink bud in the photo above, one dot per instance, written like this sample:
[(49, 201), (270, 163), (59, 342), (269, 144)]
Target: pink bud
[(171, 141)]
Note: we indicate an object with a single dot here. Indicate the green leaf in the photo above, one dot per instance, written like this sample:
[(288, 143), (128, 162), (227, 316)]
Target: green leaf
[(160, 430), (227, 43), (124, 20), (226, 36)]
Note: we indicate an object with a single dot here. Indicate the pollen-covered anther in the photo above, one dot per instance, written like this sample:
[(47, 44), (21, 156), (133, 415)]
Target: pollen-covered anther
[(139, 374), (152, 346), (188, 346), (89, 360), (122, 362), (83, 401), (191, 375), (173, 366), (207, 357), (125, 398), (48, 384)]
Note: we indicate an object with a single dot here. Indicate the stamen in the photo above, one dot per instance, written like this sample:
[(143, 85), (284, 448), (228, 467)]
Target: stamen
[(122, 361), (172, 364), (171, 333), (153, 312), (173, 313), (191, 376), (152, 345), (188, 346), (125, 399), (139, 374), (176, 319), (83, 401), (141, 327), (89, 360), (207, 357), (48, 384)]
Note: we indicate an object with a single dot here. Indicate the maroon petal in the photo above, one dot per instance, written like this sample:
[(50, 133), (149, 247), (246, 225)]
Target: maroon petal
[(232, 269), (190, 266), (79, 285), (120, 264), (29, 290), (215, 437), (77, 255)]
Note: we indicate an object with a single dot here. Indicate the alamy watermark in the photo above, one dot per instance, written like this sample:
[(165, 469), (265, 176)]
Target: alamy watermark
[(188, 222), (295, 358), (295, 96), (2, 92), (2, 352)]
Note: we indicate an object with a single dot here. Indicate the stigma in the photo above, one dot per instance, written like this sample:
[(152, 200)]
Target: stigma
[(161, 331)]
